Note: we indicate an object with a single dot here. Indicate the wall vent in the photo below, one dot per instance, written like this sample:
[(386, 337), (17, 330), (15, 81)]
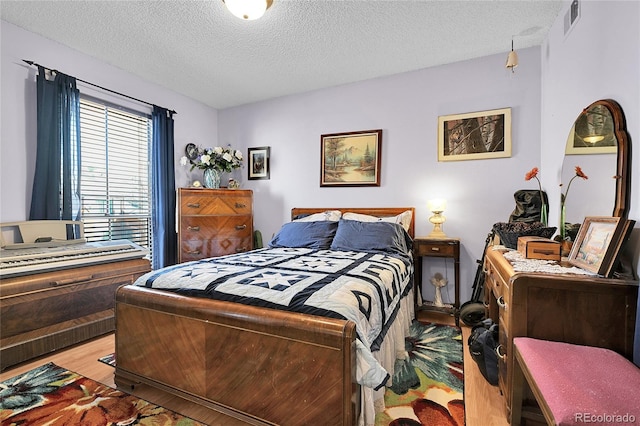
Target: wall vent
[(572, 16)]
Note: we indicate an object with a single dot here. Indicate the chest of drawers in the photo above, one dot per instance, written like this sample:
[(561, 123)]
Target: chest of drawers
[(578, 309), (214, 222)]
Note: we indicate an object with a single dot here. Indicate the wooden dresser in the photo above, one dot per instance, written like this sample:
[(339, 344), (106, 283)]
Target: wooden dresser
[(214, 222), (572, 308), (44, 312)]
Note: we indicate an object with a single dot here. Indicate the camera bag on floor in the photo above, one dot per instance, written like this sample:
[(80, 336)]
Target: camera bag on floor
[(483, 342)]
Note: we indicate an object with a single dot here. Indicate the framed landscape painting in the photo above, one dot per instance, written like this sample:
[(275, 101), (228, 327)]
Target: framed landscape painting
[(475, 135), (351, 159), (598, 243)]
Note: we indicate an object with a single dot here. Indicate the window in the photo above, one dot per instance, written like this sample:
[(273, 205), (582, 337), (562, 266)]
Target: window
[(115, 191)]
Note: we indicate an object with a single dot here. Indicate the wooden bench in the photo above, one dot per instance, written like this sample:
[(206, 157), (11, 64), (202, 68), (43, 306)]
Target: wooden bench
[(575, 384)]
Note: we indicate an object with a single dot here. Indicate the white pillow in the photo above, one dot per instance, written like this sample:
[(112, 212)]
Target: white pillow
[(403, 218), (330, 215)]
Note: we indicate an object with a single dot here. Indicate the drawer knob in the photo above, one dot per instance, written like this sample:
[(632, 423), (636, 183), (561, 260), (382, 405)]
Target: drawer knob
[(193, 252), (501, 353), (240, 206), (501, 302), (435, 248), (241, 249), (194, 205), (193, 228), (241, 227)]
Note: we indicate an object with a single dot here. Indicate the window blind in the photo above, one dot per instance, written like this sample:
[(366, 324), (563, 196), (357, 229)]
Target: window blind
[(115, 191)]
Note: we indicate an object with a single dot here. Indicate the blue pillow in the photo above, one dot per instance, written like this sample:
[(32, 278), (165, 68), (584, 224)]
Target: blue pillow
[(380, 237), (317, 235)]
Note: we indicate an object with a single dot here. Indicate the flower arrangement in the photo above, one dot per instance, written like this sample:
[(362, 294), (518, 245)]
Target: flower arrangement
[(533, 174), (217, 158), (563, 200)]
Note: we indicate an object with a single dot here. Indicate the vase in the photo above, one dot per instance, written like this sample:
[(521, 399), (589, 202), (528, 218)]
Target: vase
[(563, 227), (211, 178), (544, 214)]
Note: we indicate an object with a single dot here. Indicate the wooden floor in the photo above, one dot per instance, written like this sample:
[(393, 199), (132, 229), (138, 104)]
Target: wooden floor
[(483, 402)]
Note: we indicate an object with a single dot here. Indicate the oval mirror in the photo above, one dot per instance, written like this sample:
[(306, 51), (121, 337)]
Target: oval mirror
[(598, 144)]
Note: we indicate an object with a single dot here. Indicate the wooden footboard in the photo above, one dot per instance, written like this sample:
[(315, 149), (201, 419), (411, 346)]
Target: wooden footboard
[(256, 364)]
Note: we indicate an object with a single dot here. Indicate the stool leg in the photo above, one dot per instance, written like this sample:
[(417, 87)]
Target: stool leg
[(517, 389)]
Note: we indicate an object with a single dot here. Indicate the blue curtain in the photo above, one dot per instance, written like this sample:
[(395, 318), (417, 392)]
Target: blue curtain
[(56, 183), (163, 192)]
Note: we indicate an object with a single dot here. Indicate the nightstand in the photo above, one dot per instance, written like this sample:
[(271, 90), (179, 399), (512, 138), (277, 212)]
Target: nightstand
[(438, 247)]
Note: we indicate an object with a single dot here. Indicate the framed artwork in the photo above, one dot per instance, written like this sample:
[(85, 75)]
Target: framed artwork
[(475, 135), (259, 167), (592, 133), (598, 243), (351, 158)]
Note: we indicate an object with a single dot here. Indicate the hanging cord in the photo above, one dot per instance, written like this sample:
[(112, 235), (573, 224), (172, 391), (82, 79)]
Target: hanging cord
[(99, 87)]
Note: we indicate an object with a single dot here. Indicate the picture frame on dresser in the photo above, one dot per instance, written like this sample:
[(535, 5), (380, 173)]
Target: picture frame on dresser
[(598, 243)]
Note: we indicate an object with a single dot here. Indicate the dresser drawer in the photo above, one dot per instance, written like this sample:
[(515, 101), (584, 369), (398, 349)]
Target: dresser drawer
[(202, 249), (204, 203), (207, 227), (435, 249)]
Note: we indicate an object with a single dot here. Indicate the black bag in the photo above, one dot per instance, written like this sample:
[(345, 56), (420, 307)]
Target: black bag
[(483, 342), (529, 204)]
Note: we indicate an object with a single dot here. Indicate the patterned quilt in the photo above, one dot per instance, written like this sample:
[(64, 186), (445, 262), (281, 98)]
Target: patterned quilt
[(363, 287)]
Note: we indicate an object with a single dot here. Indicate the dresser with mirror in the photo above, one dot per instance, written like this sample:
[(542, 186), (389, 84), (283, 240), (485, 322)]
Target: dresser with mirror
[(574, 308)]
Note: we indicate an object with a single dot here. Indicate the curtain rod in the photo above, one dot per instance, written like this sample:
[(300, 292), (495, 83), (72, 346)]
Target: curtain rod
[(99, 87)]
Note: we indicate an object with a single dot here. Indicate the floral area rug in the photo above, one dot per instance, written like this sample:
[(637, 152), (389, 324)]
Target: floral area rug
[(428, 385), (51, 395)]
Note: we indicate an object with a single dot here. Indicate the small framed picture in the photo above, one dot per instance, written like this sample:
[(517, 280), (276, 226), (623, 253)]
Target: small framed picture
[(593, 132), (259, 167), (351, 158), (598, 243), (475, 135)]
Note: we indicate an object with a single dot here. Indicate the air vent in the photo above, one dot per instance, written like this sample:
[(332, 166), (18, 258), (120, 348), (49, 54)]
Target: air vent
[(572, 16)]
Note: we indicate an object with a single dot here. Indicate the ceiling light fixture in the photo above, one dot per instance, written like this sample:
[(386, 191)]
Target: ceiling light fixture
[(512, 59), (248, 10)]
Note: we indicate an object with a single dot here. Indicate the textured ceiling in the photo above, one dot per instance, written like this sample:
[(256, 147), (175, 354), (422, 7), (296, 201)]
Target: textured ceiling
[(199, 49)]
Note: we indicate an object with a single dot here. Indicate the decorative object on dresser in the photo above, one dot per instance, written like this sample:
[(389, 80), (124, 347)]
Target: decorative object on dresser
[(573, 308), (599, 242), (351, 158), (475, 135), (212, 161), (214, 222), (259, 163), (437, 247)]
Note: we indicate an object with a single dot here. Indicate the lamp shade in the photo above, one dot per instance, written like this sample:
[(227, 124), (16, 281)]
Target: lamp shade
[(512, 60), (437, 205), (247, 9)]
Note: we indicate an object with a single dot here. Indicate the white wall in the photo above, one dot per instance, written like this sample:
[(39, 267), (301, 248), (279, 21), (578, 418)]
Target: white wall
[(194, 121), (406, 107), (598, 59)]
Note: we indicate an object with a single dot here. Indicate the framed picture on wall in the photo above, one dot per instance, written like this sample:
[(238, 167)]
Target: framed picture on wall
[(475, 135), (351, 158), (259, 167), (598, 243)]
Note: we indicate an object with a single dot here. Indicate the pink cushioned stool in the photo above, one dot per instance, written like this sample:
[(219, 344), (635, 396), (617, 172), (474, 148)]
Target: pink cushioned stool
[(575, 385)]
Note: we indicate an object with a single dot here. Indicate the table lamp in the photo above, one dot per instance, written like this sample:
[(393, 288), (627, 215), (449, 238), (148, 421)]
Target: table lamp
[(437, 206)]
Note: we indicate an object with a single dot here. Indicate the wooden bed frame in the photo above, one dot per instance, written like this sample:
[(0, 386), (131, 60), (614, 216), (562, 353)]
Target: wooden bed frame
[(258, 365)]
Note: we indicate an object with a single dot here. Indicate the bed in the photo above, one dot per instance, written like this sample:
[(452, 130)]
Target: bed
[(214, 345)]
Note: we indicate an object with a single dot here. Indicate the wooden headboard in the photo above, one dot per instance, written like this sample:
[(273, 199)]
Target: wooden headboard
[(375, 211)]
